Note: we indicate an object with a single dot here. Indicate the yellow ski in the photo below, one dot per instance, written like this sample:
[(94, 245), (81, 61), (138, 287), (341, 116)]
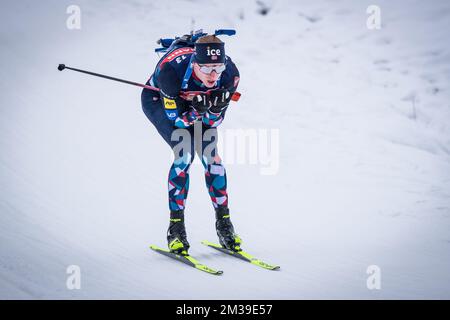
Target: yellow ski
[(241, 254), (187, 259)]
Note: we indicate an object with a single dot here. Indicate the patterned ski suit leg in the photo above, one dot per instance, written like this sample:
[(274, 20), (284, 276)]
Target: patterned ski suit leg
[(216, 182), (178, 182), (215, 173)]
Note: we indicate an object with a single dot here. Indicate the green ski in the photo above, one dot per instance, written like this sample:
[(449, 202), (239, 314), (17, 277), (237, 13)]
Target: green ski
[(241, 254), (187, 259)]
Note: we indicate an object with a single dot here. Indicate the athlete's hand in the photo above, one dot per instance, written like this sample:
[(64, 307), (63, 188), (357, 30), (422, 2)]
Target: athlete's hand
[(201, 103), (219, 100)]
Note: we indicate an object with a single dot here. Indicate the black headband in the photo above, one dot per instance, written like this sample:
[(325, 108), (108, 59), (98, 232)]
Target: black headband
[(210, 53)]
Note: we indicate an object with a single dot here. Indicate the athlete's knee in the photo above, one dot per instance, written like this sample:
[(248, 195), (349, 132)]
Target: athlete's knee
[(184, 161), (211, 160)]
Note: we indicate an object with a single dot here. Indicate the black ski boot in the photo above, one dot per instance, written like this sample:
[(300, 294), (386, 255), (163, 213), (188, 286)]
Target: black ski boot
[(176, 234), (225, 231)]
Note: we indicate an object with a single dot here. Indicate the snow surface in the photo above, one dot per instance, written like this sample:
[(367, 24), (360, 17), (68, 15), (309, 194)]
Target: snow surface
[(364, 151)]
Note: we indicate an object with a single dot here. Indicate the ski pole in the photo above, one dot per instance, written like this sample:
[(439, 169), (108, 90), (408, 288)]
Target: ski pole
[(186, 94), (61, 67)]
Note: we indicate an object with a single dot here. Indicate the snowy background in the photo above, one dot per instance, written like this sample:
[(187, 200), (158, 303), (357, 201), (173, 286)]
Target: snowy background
[(364, 151)]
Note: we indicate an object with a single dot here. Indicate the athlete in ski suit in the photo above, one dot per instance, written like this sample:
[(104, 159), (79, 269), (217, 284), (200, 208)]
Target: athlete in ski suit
[(180, 115)]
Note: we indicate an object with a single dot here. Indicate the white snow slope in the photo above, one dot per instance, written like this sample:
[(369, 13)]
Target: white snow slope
[(364, 152)]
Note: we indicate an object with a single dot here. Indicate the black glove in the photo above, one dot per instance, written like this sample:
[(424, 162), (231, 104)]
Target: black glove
[(201, 103), (220, 99)]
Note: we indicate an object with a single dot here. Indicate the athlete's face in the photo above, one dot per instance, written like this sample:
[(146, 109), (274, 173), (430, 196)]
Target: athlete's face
[(208, 79)]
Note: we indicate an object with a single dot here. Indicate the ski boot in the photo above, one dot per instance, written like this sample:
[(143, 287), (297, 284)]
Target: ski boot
[(176, 234), (225, 231)]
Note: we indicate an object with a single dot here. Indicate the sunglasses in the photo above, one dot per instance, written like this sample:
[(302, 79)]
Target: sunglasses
[(208, 69)]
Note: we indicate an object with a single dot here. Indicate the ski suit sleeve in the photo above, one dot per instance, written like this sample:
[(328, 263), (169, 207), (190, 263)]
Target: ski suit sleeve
[(212, 119), (169, 85)]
